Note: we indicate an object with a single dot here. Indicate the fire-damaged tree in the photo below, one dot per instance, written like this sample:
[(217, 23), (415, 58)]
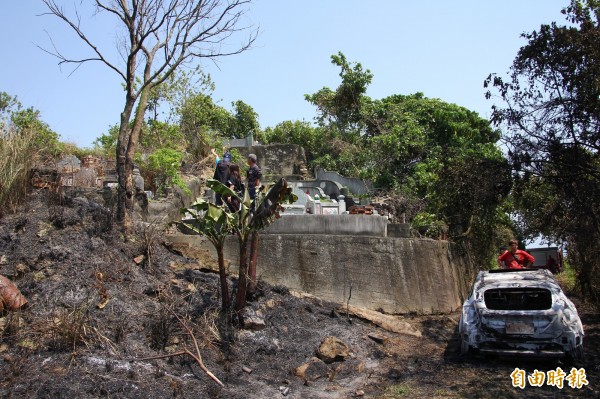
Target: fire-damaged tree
[(216, 222), (159, 37), (551, 115)]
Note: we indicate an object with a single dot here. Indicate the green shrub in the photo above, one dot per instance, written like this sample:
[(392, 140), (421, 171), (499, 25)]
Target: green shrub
[(164, 166)]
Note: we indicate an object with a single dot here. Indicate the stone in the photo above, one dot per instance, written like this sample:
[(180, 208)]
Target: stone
[(42, 233), (359, 393), (271, 303), (3, 260), (333, 349), (246, 369), (284, 390), (252, 321), (380, 339), (139, 259), (312, 370)]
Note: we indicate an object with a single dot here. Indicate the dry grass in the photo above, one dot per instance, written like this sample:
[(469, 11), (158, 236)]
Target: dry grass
[(70, 328), (17, 154)]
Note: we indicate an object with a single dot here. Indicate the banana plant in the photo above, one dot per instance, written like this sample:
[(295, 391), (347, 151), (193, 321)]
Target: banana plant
[(215, 223), (251, 217)]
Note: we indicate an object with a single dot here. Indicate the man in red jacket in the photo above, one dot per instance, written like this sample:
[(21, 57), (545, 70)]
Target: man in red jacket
[(515, 258)]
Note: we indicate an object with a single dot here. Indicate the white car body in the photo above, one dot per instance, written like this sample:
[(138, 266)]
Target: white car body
[(520, 312)]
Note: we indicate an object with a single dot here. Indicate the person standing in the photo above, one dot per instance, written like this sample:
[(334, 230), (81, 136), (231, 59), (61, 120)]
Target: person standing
[(235, 184), (222, 174), (515, 258), (253, 176)]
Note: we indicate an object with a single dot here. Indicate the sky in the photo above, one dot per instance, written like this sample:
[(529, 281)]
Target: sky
[(444, 49)]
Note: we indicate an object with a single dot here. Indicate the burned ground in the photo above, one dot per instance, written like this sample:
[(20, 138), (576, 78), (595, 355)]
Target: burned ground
[(97, 309)]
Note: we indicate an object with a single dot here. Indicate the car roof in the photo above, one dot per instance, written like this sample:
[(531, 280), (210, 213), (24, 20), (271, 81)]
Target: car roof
[(517, 277)]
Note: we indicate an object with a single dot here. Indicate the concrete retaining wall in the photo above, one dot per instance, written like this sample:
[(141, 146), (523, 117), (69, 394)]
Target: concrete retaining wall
[(395, 275), (354, 225)]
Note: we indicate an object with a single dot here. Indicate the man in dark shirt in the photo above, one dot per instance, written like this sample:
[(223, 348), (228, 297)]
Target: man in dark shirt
[(253, 176), (222, 173)]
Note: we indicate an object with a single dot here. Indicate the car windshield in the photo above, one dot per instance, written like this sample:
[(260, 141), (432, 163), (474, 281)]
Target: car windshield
[(518, 299)]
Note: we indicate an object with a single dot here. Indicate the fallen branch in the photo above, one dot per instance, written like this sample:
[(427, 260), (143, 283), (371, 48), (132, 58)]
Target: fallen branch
[(197, 356)]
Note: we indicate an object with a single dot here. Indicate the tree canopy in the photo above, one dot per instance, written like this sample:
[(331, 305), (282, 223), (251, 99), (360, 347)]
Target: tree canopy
[(550, 112)]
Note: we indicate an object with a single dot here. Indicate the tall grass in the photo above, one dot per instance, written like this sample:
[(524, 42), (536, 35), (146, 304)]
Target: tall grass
[(17, 155)]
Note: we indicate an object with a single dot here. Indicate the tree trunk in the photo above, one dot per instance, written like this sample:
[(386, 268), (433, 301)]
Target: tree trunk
[(125, 151), (253, 259), (240, 300), (223, 280), (124, 170)]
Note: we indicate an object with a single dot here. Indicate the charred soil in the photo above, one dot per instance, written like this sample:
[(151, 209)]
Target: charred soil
[(104, 314)]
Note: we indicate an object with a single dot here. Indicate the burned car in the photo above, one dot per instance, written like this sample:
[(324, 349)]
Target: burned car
[(520, 312)]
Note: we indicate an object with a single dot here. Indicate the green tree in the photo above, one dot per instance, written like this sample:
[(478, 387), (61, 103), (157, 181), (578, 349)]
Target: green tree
[(343, 107), (551, 117), (202, 122), (163, 165), (244, 122), (301, 133)]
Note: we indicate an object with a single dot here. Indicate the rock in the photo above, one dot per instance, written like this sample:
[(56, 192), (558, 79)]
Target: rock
[(359, 393), (42, 233), (139, 259), (252, 321), (3, 260), (333, 349), (284, 390), (246, 369), (271, 303), (312, 370), (380, 339)]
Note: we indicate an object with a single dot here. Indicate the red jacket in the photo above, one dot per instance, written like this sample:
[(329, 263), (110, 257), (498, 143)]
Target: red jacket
[(516, 261)]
